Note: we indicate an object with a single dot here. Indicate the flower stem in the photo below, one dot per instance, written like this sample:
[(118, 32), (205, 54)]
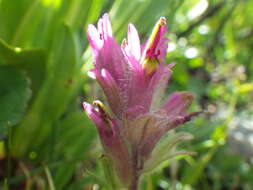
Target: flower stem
[(134, 185), (135, 178)]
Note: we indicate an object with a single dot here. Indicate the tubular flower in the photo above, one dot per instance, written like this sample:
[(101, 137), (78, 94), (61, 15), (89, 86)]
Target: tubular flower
[(134, 78)]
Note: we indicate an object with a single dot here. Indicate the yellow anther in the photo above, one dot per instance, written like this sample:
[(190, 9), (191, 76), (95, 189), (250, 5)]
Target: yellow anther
[(101, 108), (150, 64), (105, 115), (99, 105), (162, 21)]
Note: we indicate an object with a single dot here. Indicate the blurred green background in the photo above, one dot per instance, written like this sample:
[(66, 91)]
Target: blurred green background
[(48, 143)]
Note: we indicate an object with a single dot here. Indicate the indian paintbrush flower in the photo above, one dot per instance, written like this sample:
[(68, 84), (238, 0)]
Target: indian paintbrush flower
[(134, 78)]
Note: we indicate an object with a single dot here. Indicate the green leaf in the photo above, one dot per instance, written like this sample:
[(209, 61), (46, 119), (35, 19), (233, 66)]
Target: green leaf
[(32, 61), (10, 15), (79, 184), (28, 23), (194, 172), (109, 173), (53, 97), (14, 96), (76, 124), (180, 73)]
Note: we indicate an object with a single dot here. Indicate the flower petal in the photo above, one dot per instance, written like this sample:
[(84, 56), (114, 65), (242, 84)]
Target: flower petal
[(94, 38), (105, 27), (158, 85), (134, 42), (162, 44), (93, 115), (107, 52), (156, 45), (177, 103), (138, 95), (111, 90), (157, 130), (145, 92)]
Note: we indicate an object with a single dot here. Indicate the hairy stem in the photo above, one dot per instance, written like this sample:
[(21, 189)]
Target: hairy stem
[(135, 178), (134, 185)]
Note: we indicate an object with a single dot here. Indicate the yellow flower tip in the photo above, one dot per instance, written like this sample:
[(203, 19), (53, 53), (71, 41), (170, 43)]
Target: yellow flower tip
[(98, 103), (162, 21), (104, 114), (124, 43), (99, 106)]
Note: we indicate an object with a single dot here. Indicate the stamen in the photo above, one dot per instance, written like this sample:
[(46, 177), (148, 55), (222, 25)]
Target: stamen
[(124, 43), (104, 114), (162, 21), (100, 106)]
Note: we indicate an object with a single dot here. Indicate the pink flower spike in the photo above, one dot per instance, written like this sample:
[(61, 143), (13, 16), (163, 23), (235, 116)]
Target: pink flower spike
[(133, 79)]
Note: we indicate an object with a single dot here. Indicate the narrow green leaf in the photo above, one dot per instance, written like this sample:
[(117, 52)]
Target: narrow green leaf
[(49, 178), (194, 172), (77, 124)]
